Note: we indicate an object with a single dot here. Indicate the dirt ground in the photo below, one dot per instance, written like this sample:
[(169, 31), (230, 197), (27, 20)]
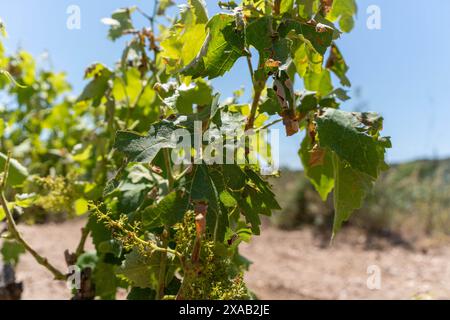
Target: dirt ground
[(287, 265)]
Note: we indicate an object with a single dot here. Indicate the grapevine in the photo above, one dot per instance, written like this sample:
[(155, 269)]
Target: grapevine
[(169, 229)]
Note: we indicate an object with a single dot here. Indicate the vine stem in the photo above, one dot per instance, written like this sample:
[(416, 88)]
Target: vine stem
[(250, 67), (153, 17), (15, 232), (81, 244), (269, 125), (147, 244), (170, 176), (168, 165), (251, 119), (258, 89), (164, 235), (163, 266), (276, 7)]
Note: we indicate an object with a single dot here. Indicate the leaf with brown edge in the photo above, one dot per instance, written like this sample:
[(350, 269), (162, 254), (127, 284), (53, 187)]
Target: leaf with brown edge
[(290, 122), (317, 156), (272, 64), (336, 63), (326, 6)]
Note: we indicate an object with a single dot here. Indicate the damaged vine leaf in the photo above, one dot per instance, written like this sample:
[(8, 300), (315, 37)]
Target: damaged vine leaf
[(354, 158), (284, 90), (354, 137), (336, 63), (326, 6), (317, 156)]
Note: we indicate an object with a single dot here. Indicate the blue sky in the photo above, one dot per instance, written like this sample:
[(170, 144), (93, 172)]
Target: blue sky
[(401, 71)]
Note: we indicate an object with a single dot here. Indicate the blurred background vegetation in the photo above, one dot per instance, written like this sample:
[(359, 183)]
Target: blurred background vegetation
[(411, 201)]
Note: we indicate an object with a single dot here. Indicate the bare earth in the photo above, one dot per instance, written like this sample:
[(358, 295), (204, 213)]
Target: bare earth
[(287, 265)]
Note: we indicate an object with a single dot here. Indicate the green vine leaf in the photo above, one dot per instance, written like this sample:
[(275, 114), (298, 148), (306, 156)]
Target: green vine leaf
[(163, 5), (354, 137), (286, 6), (320, 174), (320, 39), (17, 172), (105, 280), (119, 23), (318, 81), (199, 9), (308, 8), (167, 212), (11, 79), (136, 268), (143, 271), (137, 293), (223, 46), (259, 36), (255, 199), (186, 37), (185, 97), (140, 148), (95, 90), (205, 188), (264, 189), (3, 32), (271, 105), (344, 11), (351, 187), (308, 102)]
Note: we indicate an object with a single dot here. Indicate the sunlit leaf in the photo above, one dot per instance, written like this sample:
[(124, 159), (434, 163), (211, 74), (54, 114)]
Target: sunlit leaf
[(81, 206), (344, 11), (224, 45), (17, 173)]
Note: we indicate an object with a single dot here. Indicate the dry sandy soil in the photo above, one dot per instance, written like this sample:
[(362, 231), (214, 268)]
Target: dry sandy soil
[(287, 265)]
